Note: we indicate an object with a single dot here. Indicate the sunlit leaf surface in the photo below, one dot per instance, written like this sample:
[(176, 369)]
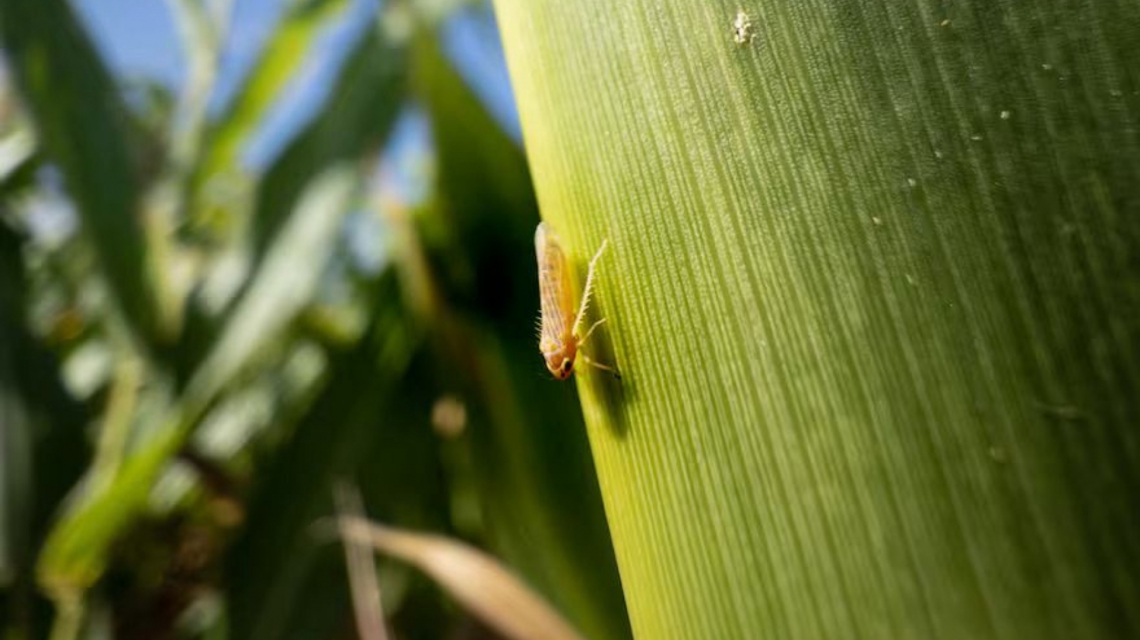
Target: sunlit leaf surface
[(873, 291)]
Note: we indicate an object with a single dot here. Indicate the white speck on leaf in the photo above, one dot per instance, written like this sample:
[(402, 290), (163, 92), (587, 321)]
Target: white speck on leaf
[(911, 182), (742, 29), (1005, 115)]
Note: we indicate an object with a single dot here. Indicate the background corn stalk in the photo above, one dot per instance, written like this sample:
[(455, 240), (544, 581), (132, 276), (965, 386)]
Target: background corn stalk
[(874, 288)]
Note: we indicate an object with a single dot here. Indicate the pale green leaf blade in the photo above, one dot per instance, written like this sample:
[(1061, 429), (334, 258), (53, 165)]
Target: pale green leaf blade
[(284, 283)]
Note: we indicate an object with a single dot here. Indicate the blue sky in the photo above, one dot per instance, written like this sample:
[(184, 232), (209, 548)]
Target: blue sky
[(138, 38)]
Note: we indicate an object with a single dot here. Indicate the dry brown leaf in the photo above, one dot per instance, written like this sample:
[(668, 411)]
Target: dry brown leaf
[(477, 581)]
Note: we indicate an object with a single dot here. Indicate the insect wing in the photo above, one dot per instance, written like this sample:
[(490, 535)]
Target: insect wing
[(554, 286)]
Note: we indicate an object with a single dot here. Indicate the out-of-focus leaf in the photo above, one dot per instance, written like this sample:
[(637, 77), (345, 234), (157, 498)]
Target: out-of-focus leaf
[(291, 261), (17, 158), (369, 422), (83, 127), (33, 384), (476, 580), (16, 485), (42, 446), (354, 121), (76, 552), (484, 191), (367, 604), (530, 453), (283, 284), (277, 64), (15, 475), (201, 28)]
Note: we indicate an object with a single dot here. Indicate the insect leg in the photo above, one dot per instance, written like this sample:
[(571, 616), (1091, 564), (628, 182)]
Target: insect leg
[(588, 289), (598, 365), (582, 340)]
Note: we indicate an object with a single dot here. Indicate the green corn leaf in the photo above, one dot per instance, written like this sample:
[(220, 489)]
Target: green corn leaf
[(873, 288)]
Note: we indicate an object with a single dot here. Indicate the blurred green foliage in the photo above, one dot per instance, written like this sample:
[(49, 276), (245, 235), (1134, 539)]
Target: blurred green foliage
[(186, 373)]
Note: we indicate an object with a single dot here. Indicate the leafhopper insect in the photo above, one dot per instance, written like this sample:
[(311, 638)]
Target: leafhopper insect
[(560, 338)]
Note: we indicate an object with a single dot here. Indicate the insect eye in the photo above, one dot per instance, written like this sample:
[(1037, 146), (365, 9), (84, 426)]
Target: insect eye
[(566, 364)]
